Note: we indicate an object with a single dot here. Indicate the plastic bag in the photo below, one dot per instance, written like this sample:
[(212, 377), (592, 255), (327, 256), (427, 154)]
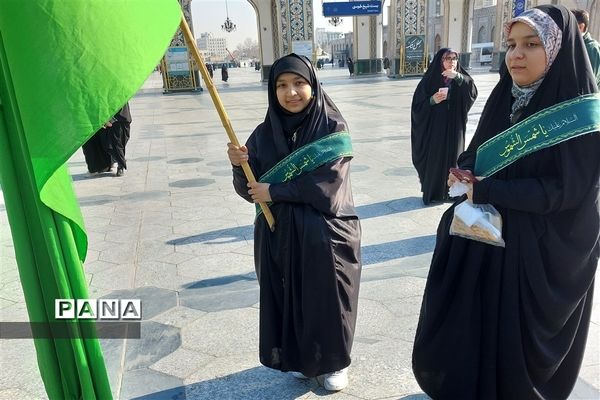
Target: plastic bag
[(480, 222)]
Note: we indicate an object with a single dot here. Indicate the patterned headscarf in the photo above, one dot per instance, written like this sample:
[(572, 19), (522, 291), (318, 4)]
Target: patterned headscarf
[(551, 38), (446, 54)]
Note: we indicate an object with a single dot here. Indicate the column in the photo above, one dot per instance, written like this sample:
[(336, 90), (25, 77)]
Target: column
[(268, 34), (504, 12), (176, 78), (467, 34), (409, 25), (367, 49), (294, 23)]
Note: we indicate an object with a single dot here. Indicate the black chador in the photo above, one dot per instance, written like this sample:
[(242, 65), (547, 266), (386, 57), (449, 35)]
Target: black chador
[(309, 267), (512, 323), (96, 153), (118, 136), (438, 130)]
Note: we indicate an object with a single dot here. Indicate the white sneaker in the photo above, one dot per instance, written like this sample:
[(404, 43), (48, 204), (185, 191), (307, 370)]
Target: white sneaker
[(336, 381), (298, 375)]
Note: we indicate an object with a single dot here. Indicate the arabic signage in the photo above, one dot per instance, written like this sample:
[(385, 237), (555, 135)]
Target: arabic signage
[(303, 48), (350, 8), (177, 61), (414, 47)]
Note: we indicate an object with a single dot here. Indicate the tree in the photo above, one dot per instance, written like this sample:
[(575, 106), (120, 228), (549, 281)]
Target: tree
[(248, 49)]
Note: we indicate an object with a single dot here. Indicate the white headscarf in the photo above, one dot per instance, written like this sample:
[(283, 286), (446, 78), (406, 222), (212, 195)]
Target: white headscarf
[(551, 38)]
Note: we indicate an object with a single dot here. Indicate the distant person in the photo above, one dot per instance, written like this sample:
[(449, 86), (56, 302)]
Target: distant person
[(439, 111), (309, 267), (591, 45), (224, 72), (332, 63), (210, 70), (257, 66), (117, 130), (386, 65), (350, 66)]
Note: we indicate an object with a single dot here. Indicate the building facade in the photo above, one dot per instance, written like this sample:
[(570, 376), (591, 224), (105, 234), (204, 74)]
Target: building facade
[(416, 29), (213, 48)]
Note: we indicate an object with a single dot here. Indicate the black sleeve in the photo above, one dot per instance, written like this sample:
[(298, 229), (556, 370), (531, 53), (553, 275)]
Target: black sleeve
[(240, 182), (124, 114), (467, 160), (327, 189)]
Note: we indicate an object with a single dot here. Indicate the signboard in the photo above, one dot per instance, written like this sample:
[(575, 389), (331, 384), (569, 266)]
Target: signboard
[(519, 7), (303, 48), (350, 8), (414, 48), (177, 61)]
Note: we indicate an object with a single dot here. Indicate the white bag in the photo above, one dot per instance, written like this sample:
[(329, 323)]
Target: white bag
[(481, 222)]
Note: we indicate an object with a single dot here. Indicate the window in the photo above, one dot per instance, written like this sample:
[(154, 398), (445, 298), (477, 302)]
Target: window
[(481, 35)]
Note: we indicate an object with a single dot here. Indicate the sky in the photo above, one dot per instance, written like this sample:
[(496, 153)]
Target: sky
[(209, 15)]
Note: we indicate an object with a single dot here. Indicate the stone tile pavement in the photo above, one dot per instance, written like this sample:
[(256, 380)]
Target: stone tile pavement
[(173, 233)]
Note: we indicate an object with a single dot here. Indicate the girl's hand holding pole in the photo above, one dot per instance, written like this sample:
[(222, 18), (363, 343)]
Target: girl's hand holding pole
[(259, 192), (237, 154)]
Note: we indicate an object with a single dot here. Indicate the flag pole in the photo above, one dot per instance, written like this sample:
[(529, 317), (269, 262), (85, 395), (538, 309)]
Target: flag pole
[(187, 33)]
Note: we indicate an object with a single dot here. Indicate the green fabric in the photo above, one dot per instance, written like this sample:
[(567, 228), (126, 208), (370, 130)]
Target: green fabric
[(308, 158), (593, 50), (66, 67), (553, 125)]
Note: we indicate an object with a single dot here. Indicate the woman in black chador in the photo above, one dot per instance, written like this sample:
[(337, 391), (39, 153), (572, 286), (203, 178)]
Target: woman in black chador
[(512, 323), (107, 146), (224, 73), (309, 267), (95, 151), (117, 133), (438, 122)]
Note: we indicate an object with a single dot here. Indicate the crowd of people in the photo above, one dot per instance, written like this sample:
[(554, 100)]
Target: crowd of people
[(505, 321)]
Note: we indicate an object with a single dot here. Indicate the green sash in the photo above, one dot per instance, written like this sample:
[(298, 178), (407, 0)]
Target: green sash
[(308, 158), (552, 125)]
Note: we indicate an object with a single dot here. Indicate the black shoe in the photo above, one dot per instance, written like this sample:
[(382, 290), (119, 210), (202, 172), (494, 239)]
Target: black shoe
[(120, 172)]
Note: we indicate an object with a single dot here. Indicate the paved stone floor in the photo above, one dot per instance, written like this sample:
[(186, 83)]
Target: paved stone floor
[(173, 233)]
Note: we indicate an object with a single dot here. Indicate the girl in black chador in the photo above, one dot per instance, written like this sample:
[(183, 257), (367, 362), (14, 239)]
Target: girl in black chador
[(309, 267), (512, 323), (439, 111)]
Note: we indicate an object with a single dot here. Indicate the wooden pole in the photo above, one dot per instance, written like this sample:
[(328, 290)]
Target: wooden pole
[(187, 33)]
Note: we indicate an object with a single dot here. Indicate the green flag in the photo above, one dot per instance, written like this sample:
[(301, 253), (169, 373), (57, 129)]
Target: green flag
[(66, 67)]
